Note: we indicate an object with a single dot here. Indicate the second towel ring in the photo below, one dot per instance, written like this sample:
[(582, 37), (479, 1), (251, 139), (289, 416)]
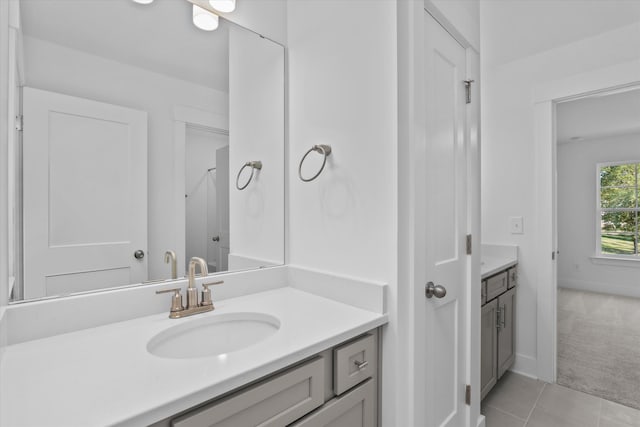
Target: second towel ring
[(325, 150), (255, 164)]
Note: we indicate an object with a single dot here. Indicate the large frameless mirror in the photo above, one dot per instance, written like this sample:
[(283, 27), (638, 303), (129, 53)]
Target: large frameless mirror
[(141, 138)]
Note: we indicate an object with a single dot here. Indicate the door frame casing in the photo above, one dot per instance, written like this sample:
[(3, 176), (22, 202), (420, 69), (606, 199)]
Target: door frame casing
[(183, 117), (545, 99)]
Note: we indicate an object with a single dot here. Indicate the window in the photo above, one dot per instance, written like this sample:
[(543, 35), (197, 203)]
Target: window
[(618, 209)]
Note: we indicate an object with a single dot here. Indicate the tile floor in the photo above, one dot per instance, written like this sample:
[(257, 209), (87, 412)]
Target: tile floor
[(518, 401)]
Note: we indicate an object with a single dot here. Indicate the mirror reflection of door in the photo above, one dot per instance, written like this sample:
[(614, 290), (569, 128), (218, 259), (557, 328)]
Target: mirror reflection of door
[(81, 233), (220, 246), (206, 183)]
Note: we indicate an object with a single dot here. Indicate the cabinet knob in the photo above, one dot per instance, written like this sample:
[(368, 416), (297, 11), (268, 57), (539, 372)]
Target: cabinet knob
[(432, 290)]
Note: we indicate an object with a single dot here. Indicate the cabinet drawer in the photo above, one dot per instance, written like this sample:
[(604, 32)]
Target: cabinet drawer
[(483, 292), (272, 403), (496, 285), (513, 277), (353, 363)]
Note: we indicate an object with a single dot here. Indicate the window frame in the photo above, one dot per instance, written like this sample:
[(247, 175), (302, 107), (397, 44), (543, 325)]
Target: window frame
[(600, 210)]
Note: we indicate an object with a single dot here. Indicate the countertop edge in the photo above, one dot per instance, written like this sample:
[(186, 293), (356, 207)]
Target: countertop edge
[(499, 268)]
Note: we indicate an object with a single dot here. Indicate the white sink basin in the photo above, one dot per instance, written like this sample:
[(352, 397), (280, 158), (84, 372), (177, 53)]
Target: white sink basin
[(213, 335)]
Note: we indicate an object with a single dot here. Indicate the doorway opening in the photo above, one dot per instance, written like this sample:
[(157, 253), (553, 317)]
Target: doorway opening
[(598, 230)]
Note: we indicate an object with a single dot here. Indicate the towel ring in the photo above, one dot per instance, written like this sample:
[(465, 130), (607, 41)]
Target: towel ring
[(255, 164), (325, 150)]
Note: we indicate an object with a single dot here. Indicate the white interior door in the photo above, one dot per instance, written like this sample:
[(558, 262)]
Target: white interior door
[(85, 194), (222, 206), (443, 248)]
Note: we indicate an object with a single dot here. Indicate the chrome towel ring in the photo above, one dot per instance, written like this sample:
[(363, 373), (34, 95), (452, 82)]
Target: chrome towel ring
[(325, 150), (255, 164)]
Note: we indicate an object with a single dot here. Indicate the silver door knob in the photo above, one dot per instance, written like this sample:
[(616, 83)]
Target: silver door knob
[(139, 254), (432, 290)]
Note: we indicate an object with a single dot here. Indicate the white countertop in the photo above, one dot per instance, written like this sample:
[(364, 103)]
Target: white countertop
[(492, 265), (105, 376)]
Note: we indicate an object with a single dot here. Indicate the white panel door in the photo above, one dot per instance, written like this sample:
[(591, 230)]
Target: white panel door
[(222, 207), (85, 194), (445, 226)]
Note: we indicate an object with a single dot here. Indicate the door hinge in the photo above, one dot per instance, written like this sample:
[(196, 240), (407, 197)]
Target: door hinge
[(467, 395), (467, 88), (19, 123), (468, 244), (553, 256)]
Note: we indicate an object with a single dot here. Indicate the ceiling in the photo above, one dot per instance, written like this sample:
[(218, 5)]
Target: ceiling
[(535, 26), (599, 116), (159, 37)]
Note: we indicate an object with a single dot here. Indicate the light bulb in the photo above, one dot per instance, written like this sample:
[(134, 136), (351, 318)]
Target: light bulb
[(143, 1), (224, 6), (204, 19)]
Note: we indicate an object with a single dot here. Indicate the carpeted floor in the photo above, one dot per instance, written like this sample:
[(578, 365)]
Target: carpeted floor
[(599, 345)]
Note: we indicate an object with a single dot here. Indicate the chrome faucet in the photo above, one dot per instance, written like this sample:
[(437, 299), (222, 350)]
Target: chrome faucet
[(193, 306), (170, 257)]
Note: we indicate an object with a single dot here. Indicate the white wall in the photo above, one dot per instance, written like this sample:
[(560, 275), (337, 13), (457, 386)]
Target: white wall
[(508, 186), (577, 172), (59, 69), (343, 92)]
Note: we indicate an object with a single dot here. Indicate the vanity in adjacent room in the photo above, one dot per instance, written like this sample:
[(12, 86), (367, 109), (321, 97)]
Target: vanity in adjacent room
[(498, 300)]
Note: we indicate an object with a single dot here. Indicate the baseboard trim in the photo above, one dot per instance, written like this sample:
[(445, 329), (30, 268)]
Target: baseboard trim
[(600, 288), (481, 421), (526, 365)]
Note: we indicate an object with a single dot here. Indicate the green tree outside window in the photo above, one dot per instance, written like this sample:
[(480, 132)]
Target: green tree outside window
[(619, 209)]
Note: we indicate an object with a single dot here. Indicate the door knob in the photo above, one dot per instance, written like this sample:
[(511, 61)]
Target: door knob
[(432, 290), (139, 254)]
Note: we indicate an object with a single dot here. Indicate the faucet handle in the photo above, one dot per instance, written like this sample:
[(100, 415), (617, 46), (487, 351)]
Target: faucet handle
[(176, 299), (206, 292)]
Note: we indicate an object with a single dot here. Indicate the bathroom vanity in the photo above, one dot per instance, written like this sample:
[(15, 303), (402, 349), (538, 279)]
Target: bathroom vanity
[(498, 301), (318, 365), (336, 387)]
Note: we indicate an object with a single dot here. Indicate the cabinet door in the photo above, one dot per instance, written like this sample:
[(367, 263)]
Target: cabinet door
[(506, 331), (272, 403), (355, 408), (488, 348)]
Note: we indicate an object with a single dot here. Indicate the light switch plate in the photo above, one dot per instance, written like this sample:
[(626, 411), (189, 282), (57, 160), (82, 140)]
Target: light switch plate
[(515, 225)]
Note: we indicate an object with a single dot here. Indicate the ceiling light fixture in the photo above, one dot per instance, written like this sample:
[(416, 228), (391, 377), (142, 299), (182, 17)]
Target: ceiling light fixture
[(224, 6), (143, 1), (204, 19)]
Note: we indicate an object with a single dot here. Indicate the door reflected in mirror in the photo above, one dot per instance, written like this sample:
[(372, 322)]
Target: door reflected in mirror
[(135, 128)]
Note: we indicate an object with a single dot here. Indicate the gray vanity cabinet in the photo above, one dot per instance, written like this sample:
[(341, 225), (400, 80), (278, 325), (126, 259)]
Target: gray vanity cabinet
[(273, 403), (506, 332), (355, 408), (497, 341), (337, 387), (489, 344)]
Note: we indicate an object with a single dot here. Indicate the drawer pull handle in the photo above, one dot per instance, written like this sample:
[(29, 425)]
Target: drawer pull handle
[(361, 365)]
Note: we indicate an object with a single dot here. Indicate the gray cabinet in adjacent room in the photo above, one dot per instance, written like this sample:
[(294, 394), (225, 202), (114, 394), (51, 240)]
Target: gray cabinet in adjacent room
[(488, 347), (506, 331), (497, 341)]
